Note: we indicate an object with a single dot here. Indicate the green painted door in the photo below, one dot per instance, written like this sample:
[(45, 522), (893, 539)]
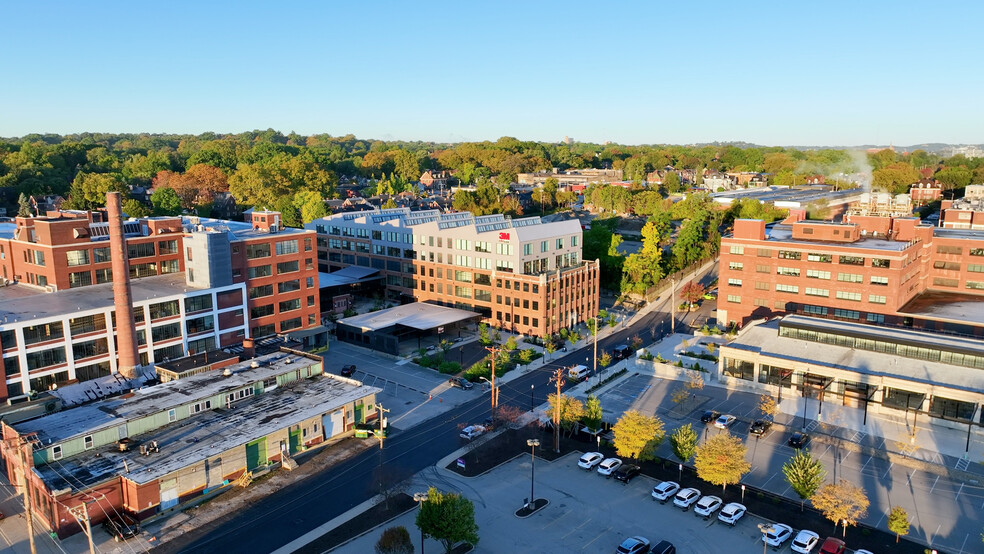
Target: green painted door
[(358, 414), (256, 454), (295, 441)]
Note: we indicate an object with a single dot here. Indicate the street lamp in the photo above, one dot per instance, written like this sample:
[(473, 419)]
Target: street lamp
[(765, 528), (531, 397), (420, 498), (532, 443)]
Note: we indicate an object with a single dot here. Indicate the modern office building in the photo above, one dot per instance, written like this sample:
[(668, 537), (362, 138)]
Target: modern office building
[(194, 285), (519, 274), (896, 271)]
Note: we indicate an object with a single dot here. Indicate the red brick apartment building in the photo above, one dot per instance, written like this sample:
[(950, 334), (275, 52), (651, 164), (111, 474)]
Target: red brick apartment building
[(896, 271)]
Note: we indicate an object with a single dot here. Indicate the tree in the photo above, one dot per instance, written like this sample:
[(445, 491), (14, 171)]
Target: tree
[(954, 177), (593, 414), (721, 460), (310, 205), (895, 178), (135, 208), (684, 442), (841, 503), (165, 201), (638, 435), (89, 190), (449, 518), (605, 359), (549, 347), (805, 474), (395, 540), (23, 206), (483, 334), (672, 182), (768, 407), (571, 410), (692, 292), (898, 522)]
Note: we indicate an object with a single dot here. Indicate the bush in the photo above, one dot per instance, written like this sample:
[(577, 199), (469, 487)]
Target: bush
[(395, 540), (449, 367), (699, 355)]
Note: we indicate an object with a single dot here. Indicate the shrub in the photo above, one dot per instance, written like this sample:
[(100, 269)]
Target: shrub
[(395, 540), (449, 367)]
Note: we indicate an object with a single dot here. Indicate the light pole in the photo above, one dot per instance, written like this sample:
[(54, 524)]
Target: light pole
[(765, 528), (532, 443), (531, 398), (420, 498)]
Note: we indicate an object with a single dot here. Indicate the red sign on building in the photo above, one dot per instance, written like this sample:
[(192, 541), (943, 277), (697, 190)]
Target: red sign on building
[(503, 236)]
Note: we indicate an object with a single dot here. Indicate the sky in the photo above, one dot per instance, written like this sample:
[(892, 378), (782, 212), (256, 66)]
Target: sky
[(810, 73)]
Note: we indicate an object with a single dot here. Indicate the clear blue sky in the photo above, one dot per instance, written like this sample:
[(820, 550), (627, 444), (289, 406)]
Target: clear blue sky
[(775, 73)]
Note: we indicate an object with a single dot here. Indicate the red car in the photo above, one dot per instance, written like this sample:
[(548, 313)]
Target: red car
[(832, 546)]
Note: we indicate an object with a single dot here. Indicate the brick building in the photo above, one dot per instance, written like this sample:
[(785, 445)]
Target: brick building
[(925, 191), (879, 270), (519, 274), (966, 212)]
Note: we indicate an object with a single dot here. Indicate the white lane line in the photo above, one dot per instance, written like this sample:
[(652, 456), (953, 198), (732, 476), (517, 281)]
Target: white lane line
[(767, 480), (596, 538), (844, 459), (934, 484), (889, 470), (866, 463), (959, 491), (935, 533)]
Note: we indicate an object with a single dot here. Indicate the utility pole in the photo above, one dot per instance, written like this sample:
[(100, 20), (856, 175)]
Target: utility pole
[(594, 370), (381, 411), (495, 392), (81, 514), (558, 378), (672, 305), (28, 509)]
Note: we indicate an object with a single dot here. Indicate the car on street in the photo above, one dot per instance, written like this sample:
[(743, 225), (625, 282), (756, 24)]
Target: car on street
[(609, 466), (863, 551), (731, 513), (627, 472), (832, 545), (590, 460), (709, 416), (685, 498), (725, 421), (665, 490), (663, 547), (799, 439), (121, 527), (621, 352), (710, 295), (347, 370), (472, 431), (461, 383), (760, 426), (779, 534), (707, 505), (633, 545), (805, 541)]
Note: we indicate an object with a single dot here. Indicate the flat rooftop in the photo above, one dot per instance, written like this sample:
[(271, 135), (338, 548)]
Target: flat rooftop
[(24, 302), (764, 338), (203, 436), (111, 412), (790, 197), (418, 315), (782, 232), (949, 306), (196, 361)]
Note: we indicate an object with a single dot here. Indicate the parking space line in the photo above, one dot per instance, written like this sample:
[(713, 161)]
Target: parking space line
[(578, 528), (934, 484), (889, 470), (587, 544)]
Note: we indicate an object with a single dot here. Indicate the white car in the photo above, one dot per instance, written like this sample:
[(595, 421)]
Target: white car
[(780, 533), (707, 506), (725, 421), (609, 466), (665, 490), (590, 460), (863, 551), (472, 431), (731, 513), (805, 541), (685, 498)]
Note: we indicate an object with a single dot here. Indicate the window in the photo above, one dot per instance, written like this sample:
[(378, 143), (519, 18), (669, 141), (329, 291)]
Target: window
[(259, 271), (201, 406), (287, 267), (977, 251), (851, 260), (41, 333), (761, 285), (200, 324), (166, 332), (257, 251), (286, 247), (822, 258), (880, 262), (288, 286), (849, 295), (942, 249), (817, 274), (736, 249), (787, 288), (263, 330), (79, 279), (734, 299), (167, 247), (140, 250), (573, 244), (949, 266), (290, 305), (788, 271), (56, 452), (463, 276), (527, 249), (164, 309), (763, 269), (87, 324), (976, 285), (810, 291), (90, 349), (735, 266), (38, 256), (734, 282), (290, 324), (875, 318), (847, 314), (259, 292), (875, 280), (198, 303), (975, 268), (172, 415), (941, 282), (560, 244), (87, 441), (764, 253), (77, 257), (463, 292), (104, 275), (876, 299), (850, 278), (815, 310), (101, 255), (143, 270), (790, 255), (45, 358)]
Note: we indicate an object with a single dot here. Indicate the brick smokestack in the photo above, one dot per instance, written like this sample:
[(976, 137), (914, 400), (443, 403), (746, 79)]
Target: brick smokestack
[(126, 329)]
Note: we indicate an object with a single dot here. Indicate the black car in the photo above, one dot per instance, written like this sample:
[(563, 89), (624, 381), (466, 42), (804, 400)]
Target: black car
[(460, 383), (122, 527), (664, 547), (799, 439), (709, 416), (347, 370), (760, 426), (621, 352), (627, 472)]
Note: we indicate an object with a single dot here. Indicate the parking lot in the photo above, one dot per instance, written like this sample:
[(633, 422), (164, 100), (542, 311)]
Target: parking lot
[(586, 513)]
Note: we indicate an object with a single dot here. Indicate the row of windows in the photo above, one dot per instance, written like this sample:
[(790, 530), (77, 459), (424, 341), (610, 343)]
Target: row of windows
[(814, 257)]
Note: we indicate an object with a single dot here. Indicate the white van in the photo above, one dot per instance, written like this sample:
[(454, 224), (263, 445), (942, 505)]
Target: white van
[(577, 372)]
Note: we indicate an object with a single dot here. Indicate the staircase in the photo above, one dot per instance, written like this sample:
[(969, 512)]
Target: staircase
[(288, 463), (245, 479)]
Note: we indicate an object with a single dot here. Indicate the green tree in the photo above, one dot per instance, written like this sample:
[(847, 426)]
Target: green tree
[(135, 208), (89, 190), (23, 206), (395, 540), (672, 182), (449, 518), (638, 435), (406, 166), (841, 503), (290, 216), (898, 522), (593, 413), (684, 442), (895, 178), (571, 410), (310, 205), (720, 460), (805, 474), (165, 201), (483, 334), (954, 177), (549, 347), (605, 359)]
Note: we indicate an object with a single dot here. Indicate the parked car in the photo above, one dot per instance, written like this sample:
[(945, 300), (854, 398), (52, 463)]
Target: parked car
[(621, 352), (709, 416), (663, 547), (577, 373), (665, 490), (760, 426), (707, 506), (472, 431), (779, 534), (805, 541), (731, 513), (627, 472), (799, 439), (347, 370), (633, 545), (725, 421), (832, 545), (590, 460), (121, 527), (460, 382), (685, 498), (609, 466)]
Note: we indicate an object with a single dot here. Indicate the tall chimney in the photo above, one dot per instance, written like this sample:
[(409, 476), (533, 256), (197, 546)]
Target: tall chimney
[(126, 328)]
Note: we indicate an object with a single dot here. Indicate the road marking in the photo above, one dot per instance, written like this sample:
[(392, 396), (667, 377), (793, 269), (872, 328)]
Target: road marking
[(959, 491), (880, 520), (866, 464), (555, 520), (849, 452), (934, 533), (596, 538), (767, 480), (889, 470), (964, 542), (578, 528), (934, 484)]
